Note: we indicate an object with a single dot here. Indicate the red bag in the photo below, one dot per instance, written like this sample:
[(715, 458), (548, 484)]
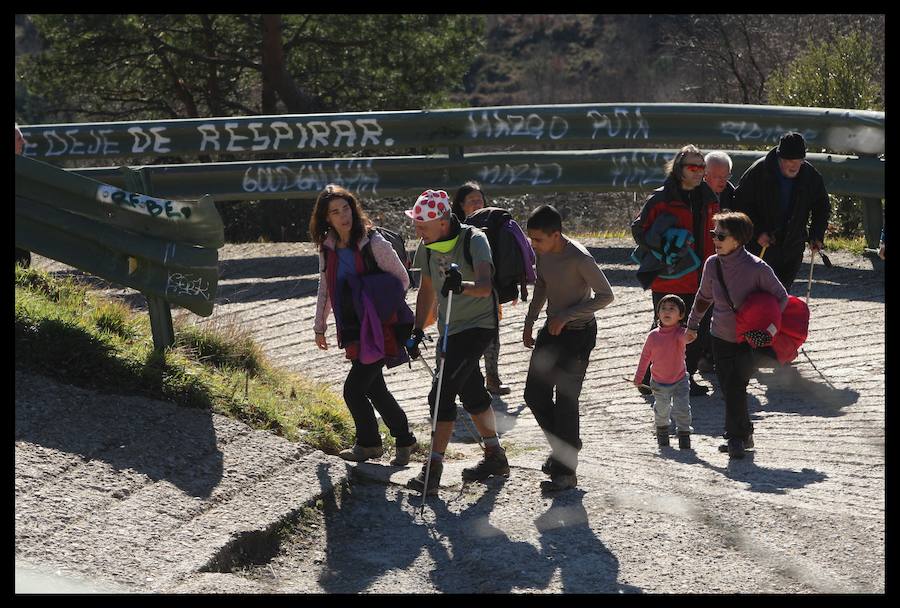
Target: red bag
[(794, 330), (758, 319)]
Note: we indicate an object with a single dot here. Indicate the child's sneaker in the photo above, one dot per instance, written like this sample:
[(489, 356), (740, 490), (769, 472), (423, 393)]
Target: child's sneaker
[(662, 436)]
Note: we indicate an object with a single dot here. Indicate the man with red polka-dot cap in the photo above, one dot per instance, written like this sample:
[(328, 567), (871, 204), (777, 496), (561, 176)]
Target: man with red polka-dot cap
[(472, 327)]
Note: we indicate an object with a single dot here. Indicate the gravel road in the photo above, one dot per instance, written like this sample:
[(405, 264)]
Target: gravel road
[(803, 513)]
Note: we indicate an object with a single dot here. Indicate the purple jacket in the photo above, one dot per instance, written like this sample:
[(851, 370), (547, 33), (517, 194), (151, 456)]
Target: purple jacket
[(376, 298), (744, 273)]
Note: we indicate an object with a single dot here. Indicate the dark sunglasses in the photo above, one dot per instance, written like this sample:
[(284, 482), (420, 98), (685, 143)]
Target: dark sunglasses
[(694, 167), (719, 236)]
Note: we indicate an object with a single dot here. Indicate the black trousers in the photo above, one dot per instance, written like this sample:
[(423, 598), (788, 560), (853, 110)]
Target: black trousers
[(366, 391), (559, 362), (734, 367), (462, 374)]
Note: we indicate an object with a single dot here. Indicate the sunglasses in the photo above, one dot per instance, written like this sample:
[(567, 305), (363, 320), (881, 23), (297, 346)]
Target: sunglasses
[(694, 167), (719, 236)]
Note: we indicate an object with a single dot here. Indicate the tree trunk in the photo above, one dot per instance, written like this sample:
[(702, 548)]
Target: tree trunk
[(277, 82)]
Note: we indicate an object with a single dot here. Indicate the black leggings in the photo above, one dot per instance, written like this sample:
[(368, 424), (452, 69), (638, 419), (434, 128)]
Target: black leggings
[(365, 389), (734, 367)]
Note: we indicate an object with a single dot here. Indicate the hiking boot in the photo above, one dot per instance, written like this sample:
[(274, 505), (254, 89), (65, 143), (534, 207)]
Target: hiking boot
[(359, 453), (735, 448), (495, 386), (493, 463), (547, 467), (662, 436), (434, 478), (697, 390), (748, 442), (402, 454), (559, 482), (684, 441)]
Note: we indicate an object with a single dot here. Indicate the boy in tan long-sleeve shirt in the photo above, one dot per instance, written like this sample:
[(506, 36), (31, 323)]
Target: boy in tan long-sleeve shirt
[(566, 276)]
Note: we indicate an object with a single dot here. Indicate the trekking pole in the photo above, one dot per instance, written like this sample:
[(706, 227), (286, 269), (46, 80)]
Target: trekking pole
[(467, 418), (812, 260), (437, 397)]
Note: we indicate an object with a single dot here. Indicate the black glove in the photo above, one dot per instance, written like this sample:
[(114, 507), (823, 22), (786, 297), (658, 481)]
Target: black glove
[(452, 281), (412, 344)]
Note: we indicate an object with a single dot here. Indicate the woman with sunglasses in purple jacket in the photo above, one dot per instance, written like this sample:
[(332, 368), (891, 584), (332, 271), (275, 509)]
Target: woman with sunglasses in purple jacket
[(729, 277)]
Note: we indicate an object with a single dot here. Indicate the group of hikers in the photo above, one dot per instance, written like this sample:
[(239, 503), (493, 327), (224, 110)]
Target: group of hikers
[(705, 248)]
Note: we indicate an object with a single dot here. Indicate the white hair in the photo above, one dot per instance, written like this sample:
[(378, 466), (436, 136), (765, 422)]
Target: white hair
[(720, 157)]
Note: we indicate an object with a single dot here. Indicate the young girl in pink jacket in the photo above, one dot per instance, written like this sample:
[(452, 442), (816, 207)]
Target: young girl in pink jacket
[(669, 380)]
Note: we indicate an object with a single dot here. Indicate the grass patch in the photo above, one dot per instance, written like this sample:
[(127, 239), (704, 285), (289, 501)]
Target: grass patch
[(855, 244), (81, 338)]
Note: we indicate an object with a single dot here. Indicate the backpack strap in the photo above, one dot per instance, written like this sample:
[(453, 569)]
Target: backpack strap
[(467, 253), (368, 256), (722, 281)]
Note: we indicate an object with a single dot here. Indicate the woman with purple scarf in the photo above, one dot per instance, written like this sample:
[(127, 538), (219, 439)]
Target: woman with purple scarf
[(363, 282)]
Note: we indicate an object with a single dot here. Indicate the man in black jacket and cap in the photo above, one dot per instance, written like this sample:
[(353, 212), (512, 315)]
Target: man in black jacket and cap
[(785, 198)]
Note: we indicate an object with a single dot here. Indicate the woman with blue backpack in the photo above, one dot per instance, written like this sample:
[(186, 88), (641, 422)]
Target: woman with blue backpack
[(363, 282)]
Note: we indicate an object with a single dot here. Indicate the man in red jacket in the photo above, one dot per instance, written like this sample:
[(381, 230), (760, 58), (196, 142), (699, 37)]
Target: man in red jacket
[(690, 200)]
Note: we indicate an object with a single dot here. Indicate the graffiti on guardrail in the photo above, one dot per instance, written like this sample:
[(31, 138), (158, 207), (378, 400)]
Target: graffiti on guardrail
[(262, 136), (181, 284), (279, 135), (522, 173), (141, 203), (743, 131), (74, 141), (640, 169), (620, 124), (494, 125), (355, 175)]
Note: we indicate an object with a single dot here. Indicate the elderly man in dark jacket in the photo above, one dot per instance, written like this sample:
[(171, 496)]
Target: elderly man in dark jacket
[(785, 198)]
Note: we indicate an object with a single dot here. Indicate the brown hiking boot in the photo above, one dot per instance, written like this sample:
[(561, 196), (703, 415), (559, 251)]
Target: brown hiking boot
[(493, 463), (495, 386), (434, 478), (402, 454), (359, 453), (559, 482)]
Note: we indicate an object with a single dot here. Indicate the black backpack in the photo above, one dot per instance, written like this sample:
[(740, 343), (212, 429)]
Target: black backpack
[(397, 242), (510, 266)]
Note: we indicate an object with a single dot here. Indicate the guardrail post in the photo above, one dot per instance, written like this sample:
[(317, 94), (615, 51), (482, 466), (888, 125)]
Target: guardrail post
[(873, 219), (161, 326)]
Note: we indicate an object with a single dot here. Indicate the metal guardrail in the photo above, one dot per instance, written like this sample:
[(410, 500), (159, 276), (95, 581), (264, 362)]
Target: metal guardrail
[(163, 248), (512, 172), (628, 125)]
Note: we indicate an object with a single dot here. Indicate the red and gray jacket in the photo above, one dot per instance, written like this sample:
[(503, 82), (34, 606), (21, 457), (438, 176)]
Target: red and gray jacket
[(668, 199)]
